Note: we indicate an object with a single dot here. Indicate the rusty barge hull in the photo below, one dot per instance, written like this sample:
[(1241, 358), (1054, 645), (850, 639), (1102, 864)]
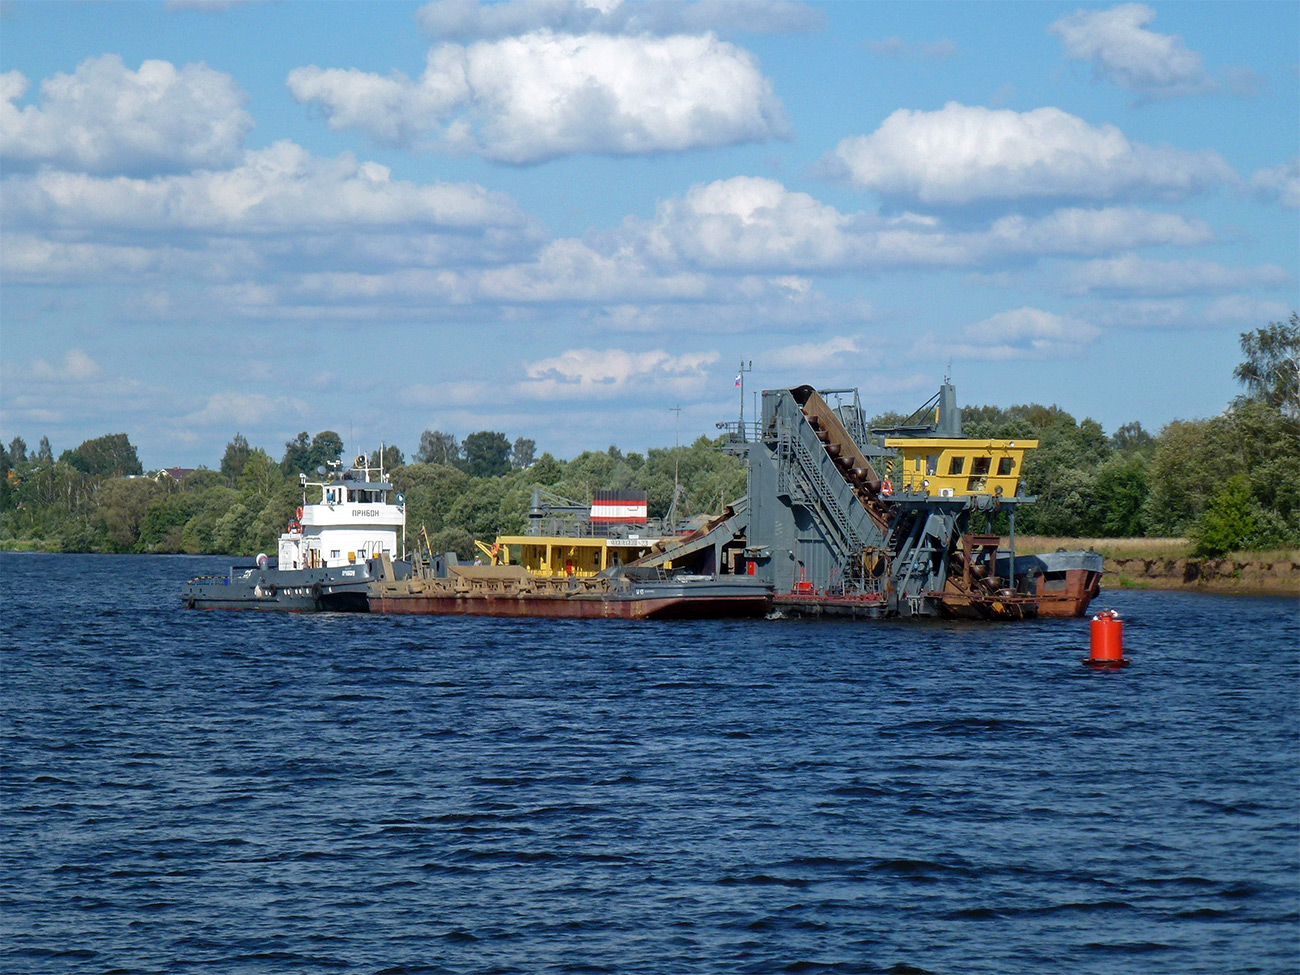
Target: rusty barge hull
[(512, 591), (578, 607)]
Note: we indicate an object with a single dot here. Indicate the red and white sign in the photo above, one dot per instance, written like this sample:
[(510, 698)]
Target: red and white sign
[(621, 510)]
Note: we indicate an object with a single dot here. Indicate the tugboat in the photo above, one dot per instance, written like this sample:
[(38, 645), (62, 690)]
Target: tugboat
[(337, 544)]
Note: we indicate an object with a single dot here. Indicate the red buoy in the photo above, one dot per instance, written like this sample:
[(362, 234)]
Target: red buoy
[(1107, 647)]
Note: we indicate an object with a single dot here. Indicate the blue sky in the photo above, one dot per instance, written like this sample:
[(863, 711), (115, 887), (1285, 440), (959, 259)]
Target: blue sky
[(562, 219)]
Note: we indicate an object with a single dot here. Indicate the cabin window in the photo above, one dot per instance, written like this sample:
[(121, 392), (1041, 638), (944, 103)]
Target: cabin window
[(980, 466), (932, 464), (334, 553), (1004, 467), (956, 465)]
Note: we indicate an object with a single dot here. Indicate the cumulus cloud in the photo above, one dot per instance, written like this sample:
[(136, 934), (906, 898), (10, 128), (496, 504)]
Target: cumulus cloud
[(757, 224), (543, 95), (830, 352), (1023, 333), (1077, 230), (105, 118), (1122, 50), (469, 19), (1281, 184), (608, 373), (1130, 274), (962, 154), (77, 367), (282, 187)]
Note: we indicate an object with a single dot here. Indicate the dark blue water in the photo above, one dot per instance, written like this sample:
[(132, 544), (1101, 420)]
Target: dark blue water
[(242, 792)]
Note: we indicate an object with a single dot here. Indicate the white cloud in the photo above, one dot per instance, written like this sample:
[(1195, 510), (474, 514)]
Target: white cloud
[(245, 409), (962, 154), (1123, 51), (1229, 311), (77, 367), (543, 95), (896, 47), (280, 188), (1075, 230), (751, 222), (831, 352), (1280, 184), (1237, 311), (469, 19), (608, 373), (1023, 333), (105, 118), (1130, 274), (754, 223)]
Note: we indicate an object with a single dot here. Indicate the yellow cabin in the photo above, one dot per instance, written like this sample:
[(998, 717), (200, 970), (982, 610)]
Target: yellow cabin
[(559, 555), (948, 467)]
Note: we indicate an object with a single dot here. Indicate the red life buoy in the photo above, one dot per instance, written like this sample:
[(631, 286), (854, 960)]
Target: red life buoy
[(299, 513), (886, 489), (294, 527)]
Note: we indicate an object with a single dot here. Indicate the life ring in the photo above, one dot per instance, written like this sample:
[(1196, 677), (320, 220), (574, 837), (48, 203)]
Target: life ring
[(294, 527), (886, 489), (298, 514)]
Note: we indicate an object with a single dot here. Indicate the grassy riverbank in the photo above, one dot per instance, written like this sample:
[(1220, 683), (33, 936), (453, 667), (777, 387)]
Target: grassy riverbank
[(1168, 563)]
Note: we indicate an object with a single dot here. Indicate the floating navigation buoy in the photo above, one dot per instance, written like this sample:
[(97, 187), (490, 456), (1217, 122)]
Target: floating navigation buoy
[(1107, 644)]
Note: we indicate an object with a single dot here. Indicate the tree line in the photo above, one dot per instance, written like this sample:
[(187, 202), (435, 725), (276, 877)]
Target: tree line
[(1229, 482)]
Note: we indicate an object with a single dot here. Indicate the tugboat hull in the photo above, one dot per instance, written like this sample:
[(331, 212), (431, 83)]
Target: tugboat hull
[(334, 590)]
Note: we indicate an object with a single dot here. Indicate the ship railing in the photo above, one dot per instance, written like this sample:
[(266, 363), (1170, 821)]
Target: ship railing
[(577, 527), (734, 431)]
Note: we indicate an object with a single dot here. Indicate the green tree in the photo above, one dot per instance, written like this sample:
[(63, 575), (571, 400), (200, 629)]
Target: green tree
[(1227, 521), (521, 454), (487, 454), (235, 457), (163, 526), (1270, 370), (430, 490), (121, 505), (1120, 493), (17, 453), (392, 459), (1131, 438), (45, 453), (261, 478), (326, 449), (109, 456), (437, 447), (297, 455)]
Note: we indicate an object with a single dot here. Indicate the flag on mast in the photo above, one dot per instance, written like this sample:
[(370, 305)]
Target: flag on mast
[(737, 379)]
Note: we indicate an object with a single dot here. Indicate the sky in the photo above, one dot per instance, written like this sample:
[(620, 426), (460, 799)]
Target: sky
[(568, 220)]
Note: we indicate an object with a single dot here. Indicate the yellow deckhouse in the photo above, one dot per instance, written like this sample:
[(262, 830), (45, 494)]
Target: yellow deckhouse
[(566, 538), (947, 467)]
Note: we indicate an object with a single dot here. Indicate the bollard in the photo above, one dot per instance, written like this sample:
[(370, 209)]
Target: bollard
[(1107, 644)]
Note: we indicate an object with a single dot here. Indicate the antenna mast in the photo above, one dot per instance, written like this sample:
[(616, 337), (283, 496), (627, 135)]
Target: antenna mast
[(740, 381)]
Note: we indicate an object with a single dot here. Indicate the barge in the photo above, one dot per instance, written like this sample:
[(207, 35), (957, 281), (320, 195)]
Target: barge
[(506, 590)]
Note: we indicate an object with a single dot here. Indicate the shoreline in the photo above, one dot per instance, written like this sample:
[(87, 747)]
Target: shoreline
[(1228, 577)]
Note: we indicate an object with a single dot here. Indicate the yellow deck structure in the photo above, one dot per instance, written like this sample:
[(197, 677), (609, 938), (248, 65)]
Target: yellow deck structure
[(946, 467), (562, 555)]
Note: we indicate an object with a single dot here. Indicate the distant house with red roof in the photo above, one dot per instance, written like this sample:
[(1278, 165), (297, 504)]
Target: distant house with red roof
[(177, 474)]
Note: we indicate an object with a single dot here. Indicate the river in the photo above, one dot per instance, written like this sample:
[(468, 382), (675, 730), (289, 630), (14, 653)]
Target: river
[(242, 792)]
